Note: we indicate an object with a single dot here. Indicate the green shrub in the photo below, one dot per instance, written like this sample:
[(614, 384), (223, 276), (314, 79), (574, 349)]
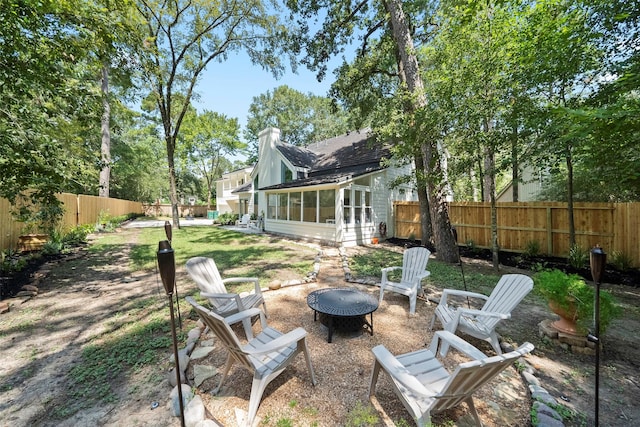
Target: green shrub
[(52, 247), (567, 290), (532, 249), (620, 260), (228, 218), (77, 235), (578, 256)]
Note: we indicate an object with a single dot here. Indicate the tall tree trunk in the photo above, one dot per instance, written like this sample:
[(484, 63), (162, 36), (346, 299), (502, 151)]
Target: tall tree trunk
[(480, 180), (487, 178), (173, 188), (105, 147), (572, 227), (426, 229), (515, 166), (490, 192), (445, 246)]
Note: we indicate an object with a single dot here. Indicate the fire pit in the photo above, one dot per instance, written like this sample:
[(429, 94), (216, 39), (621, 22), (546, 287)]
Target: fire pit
[(343, 309)]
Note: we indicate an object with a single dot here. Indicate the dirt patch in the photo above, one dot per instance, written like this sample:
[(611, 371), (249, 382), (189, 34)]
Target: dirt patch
[(78, 299)]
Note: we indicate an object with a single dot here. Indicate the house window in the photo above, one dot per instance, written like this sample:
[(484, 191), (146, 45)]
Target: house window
[(367, 206), (307, 206), (310, 204), (347, 206), (272, 205), (285, 173), (357, 206), (295, 206), (327, 205), (283, 202)]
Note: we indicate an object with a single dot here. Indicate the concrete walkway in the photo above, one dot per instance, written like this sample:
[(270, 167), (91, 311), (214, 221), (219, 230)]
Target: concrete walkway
[(150, 223)]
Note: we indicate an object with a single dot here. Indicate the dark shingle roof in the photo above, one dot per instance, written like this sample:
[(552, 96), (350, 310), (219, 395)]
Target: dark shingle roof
[(243, 188), (335, 159)]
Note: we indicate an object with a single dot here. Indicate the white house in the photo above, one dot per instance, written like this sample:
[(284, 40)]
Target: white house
[(336, 191), (530, 186), (228, 190)]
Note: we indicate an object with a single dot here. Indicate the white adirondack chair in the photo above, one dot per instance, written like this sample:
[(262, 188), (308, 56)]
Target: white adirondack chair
[(205, 273), (243, 221), (507, 294), (414, 269), (266, 355), (423, 384)]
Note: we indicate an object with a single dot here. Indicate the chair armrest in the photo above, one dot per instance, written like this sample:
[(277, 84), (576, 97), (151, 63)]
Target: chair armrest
[(282, 341), (423, 275), (255, 281), (387, 270), (455, 292), (455, 342), (398, 372), (245, 314), (417, 280), (464, 311)]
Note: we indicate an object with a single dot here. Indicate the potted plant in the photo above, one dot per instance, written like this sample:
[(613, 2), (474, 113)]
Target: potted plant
[(32, 237), (573, 300)]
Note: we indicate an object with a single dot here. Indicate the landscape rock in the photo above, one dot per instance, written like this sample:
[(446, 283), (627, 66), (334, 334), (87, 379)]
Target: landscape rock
[(194, 412), (201, 373), (174, 402)]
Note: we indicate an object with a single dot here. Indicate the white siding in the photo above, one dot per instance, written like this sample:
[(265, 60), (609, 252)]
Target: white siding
[(527, 190), (268, 172), (226, 200)]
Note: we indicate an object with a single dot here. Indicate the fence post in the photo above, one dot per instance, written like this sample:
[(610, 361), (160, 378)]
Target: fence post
[(549, 231)]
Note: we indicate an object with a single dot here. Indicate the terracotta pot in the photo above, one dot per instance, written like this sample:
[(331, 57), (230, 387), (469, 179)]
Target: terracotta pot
[(568, 318), (374, 240), (32, 242)]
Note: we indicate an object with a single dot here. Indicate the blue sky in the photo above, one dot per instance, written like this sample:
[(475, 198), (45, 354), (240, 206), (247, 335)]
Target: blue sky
[(229, 87)]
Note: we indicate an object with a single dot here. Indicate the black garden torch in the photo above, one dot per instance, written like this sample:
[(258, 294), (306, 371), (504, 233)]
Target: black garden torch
[(167, 267), (168, 231), (597, 260)]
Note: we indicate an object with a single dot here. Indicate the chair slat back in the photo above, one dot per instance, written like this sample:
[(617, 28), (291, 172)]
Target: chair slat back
[(506, 295), (414, 262), (204, 272), (223, 331), (470, 376)]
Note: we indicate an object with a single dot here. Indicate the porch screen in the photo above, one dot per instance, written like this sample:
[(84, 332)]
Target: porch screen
[(295, 206), (272, 205), (310, 203), (327, 205), (282, 206)]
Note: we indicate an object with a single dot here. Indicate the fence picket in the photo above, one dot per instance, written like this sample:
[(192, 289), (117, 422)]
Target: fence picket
[(613, 226)]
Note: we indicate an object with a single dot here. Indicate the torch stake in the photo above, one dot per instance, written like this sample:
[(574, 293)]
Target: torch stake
[(178, 305), (167, 267), (168, 231), (175, 355), (464, 282), (597, 260)]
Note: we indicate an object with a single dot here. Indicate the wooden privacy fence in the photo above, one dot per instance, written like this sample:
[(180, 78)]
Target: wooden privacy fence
[(613, 226), (78, 210)]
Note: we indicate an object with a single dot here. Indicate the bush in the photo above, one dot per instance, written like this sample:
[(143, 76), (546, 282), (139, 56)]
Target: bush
[(620, 260), (578, 256), (77, 235), (567, 290), (532, 249), (228, 218)]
